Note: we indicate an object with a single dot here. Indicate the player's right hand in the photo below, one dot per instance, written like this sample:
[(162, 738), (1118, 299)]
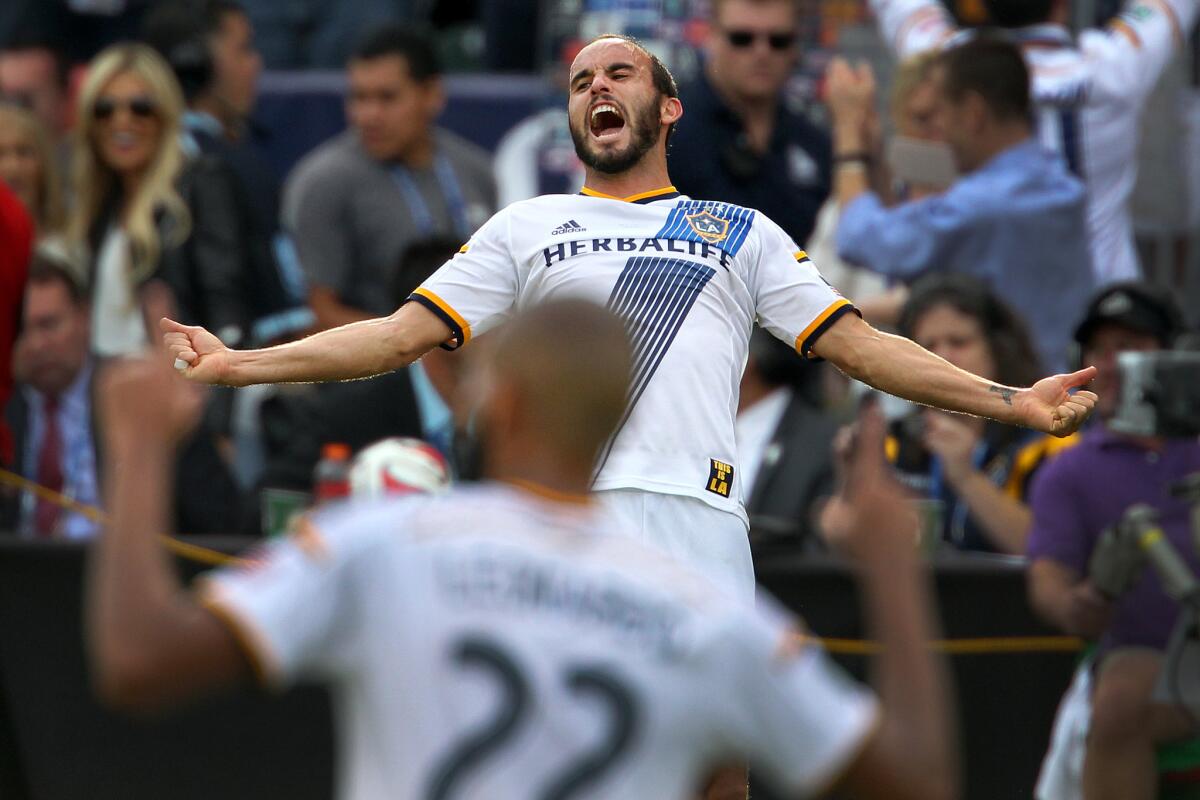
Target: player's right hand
[(196, 353)]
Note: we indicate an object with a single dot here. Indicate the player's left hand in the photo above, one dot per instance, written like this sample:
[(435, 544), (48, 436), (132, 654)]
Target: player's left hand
[(1050, 407)]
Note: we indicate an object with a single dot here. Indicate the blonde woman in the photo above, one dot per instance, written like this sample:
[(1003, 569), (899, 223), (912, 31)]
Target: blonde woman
[(28, 166), (132, 213)]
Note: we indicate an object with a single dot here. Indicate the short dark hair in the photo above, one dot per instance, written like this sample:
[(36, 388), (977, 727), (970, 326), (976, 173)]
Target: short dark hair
[(660, 76), (664, 81), (21, 43), (991, 68), (179, 30), (1017, 13), (175, 20), (415, 46), (45, 270), (715, 6)]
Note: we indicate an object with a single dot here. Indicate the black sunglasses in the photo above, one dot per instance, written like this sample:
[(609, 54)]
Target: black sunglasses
[(141, 107), (778, 41)]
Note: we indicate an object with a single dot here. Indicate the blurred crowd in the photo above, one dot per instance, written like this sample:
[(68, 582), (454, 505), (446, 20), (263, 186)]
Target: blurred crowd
[(980, 206)]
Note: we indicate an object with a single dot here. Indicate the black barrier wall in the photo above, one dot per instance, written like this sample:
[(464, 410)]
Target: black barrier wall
[(57, 744)]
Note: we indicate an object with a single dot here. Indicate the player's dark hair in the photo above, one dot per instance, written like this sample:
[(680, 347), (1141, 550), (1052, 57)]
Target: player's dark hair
[(1017, 13), (33, 40), (991, 68), (1011, 346), (660, 76), (414, 46)]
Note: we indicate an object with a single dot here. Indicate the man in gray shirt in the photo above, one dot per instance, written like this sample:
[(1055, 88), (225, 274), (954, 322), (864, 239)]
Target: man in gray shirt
[(354, 205)]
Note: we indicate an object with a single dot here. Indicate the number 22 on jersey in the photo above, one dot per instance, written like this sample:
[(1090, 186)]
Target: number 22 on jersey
[(510, 716)]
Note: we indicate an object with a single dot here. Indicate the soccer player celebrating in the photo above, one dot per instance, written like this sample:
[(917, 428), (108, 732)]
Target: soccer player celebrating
[(689, 277), (503, 640)]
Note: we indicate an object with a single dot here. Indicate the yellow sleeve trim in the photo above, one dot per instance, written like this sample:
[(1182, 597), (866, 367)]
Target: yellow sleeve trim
[(631, 198), (818, 322), (307, 537), (801, 255), (463, 249), (251, 642), (1122, 27), (449, 311)]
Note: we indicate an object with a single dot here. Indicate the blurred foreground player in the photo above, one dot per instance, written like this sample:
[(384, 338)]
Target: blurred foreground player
[(503, 641), (690, 278)]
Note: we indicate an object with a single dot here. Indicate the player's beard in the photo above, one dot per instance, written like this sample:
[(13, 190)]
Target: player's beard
[(643, 127)]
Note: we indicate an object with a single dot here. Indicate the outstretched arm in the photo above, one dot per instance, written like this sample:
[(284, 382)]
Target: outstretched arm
[(901, 367), (358, 350)]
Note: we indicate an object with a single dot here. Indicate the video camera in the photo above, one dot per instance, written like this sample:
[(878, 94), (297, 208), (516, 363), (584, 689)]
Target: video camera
[(1159, 394)]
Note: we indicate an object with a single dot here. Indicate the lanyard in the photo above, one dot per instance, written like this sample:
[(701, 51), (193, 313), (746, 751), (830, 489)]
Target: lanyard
[(957, 529), (451, 191)]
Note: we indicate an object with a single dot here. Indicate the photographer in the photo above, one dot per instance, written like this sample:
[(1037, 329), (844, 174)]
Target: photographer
[(1074, 499)]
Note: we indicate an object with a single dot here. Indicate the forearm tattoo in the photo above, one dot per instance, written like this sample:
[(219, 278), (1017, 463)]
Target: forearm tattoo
[(1006, 394)]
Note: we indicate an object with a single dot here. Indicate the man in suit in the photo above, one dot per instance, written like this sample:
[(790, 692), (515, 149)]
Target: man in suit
[(784, 444), (51, 411), (51, 415)]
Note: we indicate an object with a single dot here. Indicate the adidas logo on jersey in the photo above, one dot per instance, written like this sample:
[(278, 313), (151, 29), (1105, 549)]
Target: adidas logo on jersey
[(570, 226)]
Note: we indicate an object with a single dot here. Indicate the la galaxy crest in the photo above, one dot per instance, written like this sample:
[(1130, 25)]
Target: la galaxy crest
[(708, 226)]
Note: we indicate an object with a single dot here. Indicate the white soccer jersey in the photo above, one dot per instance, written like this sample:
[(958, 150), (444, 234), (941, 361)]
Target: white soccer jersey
[(493, 643), (1089, 95), (690, 278)]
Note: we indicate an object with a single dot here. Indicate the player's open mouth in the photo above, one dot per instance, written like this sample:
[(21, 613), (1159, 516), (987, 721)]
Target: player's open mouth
[(605, 121)]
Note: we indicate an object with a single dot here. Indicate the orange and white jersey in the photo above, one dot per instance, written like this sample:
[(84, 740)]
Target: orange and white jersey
[(1089, 93), (690, 277), (494, 643)]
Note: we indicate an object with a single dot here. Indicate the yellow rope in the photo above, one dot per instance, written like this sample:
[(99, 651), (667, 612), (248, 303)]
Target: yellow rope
[(202, 555), (960, 647), (854, 647)]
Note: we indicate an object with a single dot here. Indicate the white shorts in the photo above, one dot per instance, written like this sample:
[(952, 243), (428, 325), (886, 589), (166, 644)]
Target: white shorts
[(713, 542)]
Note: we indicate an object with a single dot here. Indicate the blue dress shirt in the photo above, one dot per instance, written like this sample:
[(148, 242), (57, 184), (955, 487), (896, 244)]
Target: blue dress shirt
[(78, 452), (1018, 223)]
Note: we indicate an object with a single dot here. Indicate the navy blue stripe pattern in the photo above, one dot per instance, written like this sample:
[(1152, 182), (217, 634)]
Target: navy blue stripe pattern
[(653, 296), (738, 221)]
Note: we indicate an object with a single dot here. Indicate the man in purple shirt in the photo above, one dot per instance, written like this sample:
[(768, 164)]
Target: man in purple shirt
[(1077, 496)]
